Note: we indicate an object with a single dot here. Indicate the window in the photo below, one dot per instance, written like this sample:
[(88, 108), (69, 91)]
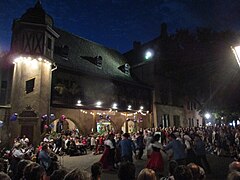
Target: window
[(176, 120), (49, 43), (4, 85), (30, 85), (165, 120), (98, 61), (65, 51), (127, 68)]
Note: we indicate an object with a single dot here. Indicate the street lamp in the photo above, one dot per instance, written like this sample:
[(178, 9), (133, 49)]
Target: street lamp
[(207, 115), (236, 52), (149, 54)]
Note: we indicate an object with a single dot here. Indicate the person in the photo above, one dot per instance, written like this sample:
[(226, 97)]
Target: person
[(171, 169), (107, 158), (24, 141), (200, 151), (182, 172), (140, 145), (189, 149), (20, 168), (77, 174), (4, 176), (58, 174), (44, 158), (126, 171), (234, 166), (17, 155), (96, 170), (234, 175), (127, 148), (156, 161), (197, 171), (72, 149), (33, 171), (58, 143), (148, 140), (92, 143), (178, 149), (147, 174)]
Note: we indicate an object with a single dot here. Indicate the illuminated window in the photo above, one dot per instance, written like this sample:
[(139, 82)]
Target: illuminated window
[(30, 85)]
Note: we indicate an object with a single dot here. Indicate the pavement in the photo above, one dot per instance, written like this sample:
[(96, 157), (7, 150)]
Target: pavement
[(219, 165)]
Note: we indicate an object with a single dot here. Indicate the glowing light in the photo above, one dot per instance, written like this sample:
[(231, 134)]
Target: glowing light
[(79, 103), (114, 106), (129, 107), (207, 115), (236, 52), (34, 64), (149, 54), (209, 124), (141, 107), (30, 60), (98, 104)]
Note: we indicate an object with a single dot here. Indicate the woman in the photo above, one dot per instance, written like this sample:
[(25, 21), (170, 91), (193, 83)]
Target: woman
[(107, 158), (156, 160)]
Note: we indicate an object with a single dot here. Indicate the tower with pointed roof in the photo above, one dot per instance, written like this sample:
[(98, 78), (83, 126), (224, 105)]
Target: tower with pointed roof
[(32, 45)]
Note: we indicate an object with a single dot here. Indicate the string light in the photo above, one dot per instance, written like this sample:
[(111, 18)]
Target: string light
[(30, 59)]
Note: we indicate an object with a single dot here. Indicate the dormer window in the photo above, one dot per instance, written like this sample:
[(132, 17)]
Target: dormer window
[(98, 61), (62, 51), (125, 68), (65, 51)]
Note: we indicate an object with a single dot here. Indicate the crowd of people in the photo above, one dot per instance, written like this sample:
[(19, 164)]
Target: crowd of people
[(172, 153)]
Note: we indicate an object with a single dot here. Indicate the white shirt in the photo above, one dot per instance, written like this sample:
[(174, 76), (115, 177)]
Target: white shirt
[(17, 153)]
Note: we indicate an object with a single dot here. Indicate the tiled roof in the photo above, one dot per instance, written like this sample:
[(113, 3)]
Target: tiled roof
[(80, 48)]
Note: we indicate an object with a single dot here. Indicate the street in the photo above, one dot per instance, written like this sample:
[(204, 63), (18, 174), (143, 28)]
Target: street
[(219, 165)]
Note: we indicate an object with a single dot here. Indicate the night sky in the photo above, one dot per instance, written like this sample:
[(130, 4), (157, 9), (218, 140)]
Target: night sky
[(117, 23)]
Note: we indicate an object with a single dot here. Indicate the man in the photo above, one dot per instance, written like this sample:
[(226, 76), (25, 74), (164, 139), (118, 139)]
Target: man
[(199, 149), (126, 148), (44, 159), (24, 141), (140, 145), (178, 149), (17, 155)]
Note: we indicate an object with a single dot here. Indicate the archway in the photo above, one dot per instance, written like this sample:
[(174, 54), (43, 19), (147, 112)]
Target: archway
[(129, 126), (68, 124), (105, 126)]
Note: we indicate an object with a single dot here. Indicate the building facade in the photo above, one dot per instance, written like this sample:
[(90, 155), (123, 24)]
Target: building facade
[(58, 76), (157, 63)]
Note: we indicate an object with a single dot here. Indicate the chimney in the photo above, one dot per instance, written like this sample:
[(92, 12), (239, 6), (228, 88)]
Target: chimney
[(164, 32)]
